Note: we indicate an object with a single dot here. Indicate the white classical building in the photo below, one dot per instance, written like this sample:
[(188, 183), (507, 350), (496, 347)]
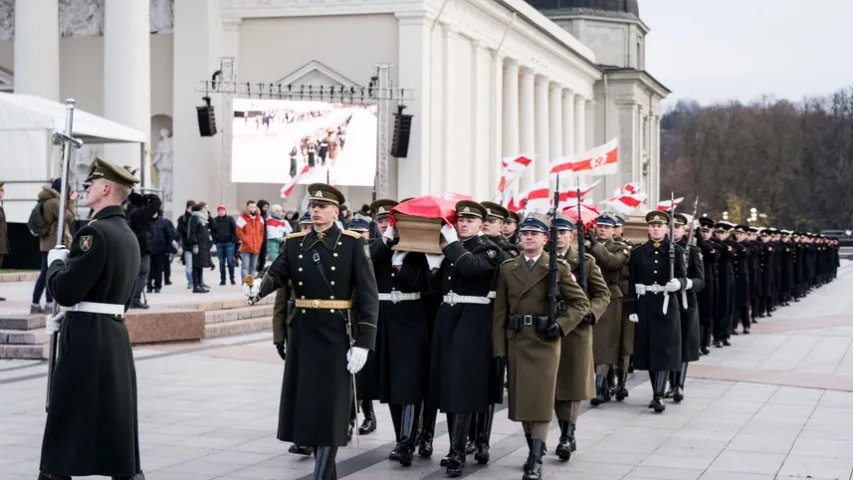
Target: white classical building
[(490, 79)]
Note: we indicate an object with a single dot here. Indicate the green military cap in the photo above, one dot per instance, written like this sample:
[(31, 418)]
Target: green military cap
[(381, 208), (680, 219), (495, 210), (112, 172), (657, 216), (512, 217), (470, 208), (325, 194)]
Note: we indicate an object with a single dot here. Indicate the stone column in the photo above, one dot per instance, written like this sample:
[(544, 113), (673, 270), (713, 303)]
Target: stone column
[(497, 108), (481, 164), (413, 65), (527, 131), (127, 76), (568, 122), (230, 48), (449, 159), (36, 47), (655, 160), (511, 133), (556, 122), (543, 148), (580, 124)]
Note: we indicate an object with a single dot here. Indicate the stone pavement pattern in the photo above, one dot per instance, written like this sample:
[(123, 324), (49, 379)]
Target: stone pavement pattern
[(777, 404)]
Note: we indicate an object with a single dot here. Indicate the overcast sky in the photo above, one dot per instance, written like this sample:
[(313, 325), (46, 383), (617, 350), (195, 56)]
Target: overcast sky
[(717, 50)]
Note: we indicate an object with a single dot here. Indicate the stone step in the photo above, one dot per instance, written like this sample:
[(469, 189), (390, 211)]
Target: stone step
[(24, 337), (236, 327), (26, 276), (241, 313), (24, 352), (216, 304), (22, 322)]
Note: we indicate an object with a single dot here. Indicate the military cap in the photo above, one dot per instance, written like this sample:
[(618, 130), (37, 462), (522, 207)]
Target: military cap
[(724, 225), (742, 228), (306, 219), (773, 231), (359, 223), (754, 229), (109, 171), (470, 208), (786, 232), (324, 194), (382, 208), (680, 219), (512, 217), (707, 223), (563, 223), (657, 216), (606, 220), (535, 222), (495, 210), (620, 222)]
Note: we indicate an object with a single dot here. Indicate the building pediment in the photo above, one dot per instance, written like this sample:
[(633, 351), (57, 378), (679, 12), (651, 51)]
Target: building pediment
[(316, 74)]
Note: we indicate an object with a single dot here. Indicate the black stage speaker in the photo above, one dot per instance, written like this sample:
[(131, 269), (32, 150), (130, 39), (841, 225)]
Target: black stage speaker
[(402, 130), (206, 120)]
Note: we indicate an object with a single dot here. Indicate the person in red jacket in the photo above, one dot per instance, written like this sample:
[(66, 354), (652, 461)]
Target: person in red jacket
[(250, 230)]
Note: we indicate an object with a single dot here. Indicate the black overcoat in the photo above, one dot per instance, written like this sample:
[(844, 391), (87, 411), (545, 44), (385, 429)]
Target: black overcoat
[(92, 422), (690, 312), (707, 297)]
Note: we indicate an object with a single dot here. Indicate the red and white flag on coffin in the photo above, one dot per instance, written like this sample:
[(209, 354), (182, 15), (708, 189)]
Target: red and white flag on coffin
[(570, 198), (288, 187), (601, 160), (512, 168), (626, 203), (667, 205)]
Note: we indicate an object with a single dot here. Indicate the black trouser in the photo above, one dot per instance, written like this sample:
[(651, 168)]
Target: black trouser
[(197, 272), (159, 269), (741, 315), (142, 277)]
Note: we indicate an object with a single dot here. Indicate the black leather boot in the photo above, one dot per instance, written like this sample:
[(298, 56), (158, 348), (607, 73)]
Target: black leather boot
[(564, 448), (406, 445), (396, 419), (659, 385), (471, 445), (458, 435), (678, 396), (48, 476), (301, 449), (369, 423), (672, 383), (324, 463), (533, 466), (600, 387), (138, 476), (484, 433), (621, 388), (450, 419), (427, 433)]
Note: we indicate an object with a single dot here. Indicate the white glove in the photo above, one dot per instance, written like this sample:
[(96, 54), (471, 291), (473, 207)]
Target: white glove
[(640, 289), (58, 253), (633, 318), (356, 358), (397, 258), (689, 284), (195, 249), (389, 234), (673, 285), (449, 233), (434, 260), (54, 322)]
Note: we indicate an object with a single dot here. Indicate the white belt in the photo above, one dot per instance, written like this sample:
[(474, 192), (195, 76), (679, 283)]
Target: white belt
[(452, 299), (94, 307), (655, 288), (492, 294), (396, 296)]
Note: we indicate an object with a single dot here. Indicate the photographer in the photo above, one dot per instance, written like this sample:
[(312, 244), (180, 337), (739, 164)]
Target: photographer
[(141, 213)]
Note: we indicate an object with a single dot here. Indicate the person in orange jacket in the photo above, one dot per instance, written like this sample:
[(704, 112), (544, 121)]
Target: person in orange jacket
[(250, 230)]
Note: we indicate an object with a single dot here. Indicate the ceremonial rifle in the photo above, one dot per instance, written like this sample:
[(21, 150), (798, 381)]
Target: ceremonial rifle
[(691, 241), (671, 250), (555, 299), (581, 246)]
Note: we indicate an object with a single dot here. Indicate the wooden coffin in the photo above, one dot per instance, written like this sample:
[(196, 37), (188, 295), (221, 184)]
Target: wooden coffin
[(636, 229), (418, 234)]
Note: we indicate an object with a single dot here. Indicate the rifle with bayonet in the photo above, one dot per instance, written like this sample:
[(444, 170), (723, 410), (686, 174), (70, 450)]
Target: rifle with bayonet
[(555, 298), (671, 250), (691, 241)]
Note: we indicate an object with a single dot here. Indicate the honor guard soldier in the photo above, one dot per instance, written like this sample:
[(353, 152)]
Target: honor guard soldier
[(726, 284), (707, 298), (690, 339), (464, 380), (657, 339), (626, 333), (360, 224), (496, 217), (528, 338), (92, 421), (575, 381), (402, 353), (611, 258), (328, 342), (305, 223), (743, 297), (510, 227)]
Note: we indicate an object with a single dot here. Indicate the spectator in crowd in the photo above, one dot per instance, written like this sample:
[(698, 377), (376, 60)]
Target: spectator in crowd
[(165, 236), (199, 243), (250, 231), (277, 229), (183, 223), (305, 224), (142, 211), (223, 228), (292, 217), (264, 207), (49, 200), (4, 232)]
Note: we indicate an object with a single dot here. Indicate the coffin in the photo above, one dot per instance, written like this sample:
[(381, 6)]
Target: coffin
[(417, 234), (636, 229)]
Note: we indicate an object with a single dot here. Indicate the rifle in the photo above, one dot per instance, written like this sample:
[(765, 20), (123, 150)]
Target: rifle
[(691, 240), (555, 298), (581, 247), (671, 251)]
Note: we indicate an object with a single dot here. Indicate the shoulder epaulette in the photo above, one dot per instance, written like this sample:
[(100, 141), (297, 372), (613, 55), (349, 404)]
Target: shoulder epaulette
[(564, 262), (509, 260), (92, 221), (350, 233), (296, 235)]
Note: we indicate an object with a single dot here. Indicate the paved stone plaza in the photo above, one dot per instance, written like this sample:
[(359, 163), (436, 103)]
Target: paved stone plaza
[(777, 404)]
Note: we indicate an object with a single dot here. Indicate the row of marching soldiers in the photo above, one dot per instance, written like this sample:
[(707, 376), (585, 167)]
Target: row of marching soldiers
[(441, 332)]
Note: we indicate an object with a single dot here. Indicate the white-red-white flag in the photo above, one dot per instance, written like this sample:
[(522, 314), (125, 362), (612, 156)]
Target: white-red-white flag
[(629, 189), (601, 160), (512, 168), (288, 187), (667, 205), (570, 198), (626, 203)]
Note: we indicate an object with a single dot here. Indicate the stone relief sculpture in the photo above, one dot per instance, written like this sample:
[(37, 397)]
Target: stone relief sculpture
[(7, 19), (162, 16), (164, 163), (81, 18)]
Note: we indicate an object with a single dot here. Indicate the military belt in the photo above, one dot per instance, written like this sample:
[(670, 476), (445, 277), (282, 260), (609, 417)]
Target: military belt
[(396, 296), (323, 304), (655, 288), (453, 298), (98, 308), (492, 294)]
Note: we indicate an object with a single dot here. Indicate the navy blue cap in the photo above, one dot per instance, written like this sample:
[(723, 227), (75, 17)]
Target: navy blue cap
[(359, 224), (534, 223), (306, 219), (606, 220), (619, 221), (563, 223)]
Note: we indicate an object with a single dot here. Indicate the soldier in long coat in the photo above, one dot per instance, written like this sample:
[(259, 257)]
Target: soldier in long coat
[(657, 339), (626, 333), (743, 288), (707, 297), (401, 345), (328, 343), (575, 380), (92, 420), (611, 257), (725, 283), (462, 373), (529, 338), (689, 310)]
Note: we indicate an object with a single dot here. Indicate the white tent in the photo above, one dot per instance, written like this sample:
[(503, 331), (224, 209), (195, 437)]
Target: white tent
[(27, 125)]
